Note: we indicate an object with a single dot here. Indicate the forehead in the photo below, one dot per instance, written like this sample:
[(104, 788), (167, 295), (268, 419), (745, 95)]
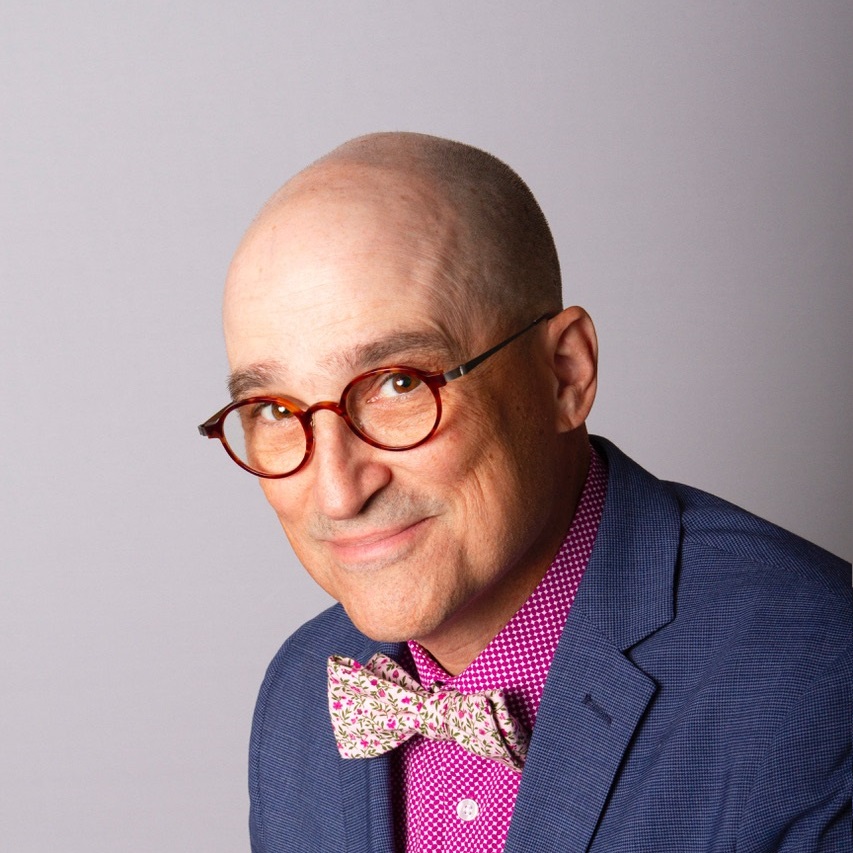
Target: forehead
[(334, 283)]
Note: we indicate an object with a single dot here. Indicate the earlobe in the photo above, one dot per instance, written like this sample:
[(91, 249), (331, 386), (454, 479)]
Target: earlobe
[(574, 354)]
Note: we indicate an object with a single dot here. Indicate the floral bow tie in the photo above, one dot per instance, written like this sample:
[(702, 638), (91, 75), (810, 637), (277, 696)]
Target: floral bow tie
[(378, 706)]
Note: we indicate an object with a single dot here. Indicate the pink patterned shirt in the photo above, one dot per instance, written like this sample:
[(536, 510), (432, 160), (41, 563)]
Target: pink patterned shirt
[(445, 798)]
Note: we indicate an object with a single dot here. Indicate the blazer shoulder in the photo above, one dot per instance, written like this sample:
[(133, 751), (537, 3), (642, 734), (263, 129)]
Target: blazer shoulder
[(759, 562), (732, 530), (307, 648)]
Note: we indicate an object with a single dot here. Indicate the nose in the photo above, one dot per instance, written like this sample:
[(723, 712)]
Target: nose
[(346, 471)]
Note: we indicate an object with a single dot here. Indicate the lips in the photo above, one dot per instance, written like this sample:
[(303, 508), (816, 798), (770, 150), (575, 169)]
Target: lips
[(376, 545)]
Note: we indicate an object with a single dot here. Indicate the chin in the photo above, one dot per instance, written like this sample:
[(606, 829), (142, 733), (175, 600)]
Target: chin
[(385, 604), (386, 625), (381, 631)]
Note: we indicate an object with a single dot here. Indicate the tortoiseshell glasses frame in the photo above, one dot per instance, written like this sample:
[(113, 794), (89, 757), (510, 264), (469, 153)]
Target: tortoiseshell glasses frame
[(400, 428)]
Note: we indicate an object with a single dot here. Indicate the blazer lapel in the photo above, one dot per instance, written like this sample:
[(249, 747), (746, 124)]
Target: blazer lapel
[(595, 697), (586, 720)]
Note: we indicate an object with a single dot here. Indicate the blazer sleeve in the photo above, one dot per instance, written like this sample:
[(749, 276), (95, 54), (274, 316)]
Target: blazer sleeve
[(800, 801)]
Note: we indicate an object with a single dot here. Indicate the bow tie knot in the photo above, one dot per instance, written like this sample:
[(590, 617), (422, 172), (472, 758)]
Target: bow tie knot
[(376, 707)]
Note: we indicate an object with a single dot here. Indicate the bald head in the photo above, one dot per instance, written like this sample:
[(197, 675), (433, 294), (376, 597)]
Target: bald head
[(499, 263)]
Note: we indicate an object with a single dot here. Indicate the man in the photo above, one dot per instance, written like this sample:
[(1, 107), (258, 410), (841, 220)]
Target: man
[(640, 666)]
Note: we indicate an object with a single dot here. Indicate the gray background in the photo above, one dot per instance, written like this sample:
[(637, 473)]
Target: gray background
[(694, 160)]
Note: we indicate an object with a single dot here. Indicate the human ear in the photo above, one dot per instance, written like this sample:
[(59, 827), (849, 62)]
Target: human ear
[(573, 350)]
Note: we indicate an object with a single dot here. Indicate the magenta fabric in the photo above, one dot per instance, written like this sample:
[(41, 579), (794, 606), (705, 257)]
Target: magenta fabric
[(445, 798)]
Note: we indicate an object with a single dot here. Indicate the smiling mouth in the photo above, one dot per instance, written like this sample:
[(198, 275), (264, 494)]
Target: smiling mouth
[(376, 545)]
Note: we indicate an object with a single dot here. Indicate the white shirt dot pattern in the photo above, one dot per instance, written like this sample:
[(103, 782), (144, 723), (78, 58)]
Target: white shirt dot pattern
[(445, 798)]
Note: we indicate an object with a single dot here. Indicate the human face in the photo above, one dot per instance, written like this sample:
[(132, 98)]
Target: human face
[(415, 544)]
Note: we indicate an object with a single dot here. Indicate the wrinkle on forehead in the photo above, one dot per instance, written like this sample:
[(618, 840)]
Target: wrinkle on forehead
[(391, 351), (396, 350)]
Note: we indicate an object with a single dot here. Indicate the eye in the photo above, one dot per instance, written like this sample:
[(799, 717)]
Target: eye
[(396, 384), (272, 412)]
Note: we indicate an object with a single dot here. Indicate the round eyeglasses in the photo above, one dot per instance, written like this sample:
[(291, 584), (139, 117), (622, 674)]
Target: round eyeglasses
[(392, 408)]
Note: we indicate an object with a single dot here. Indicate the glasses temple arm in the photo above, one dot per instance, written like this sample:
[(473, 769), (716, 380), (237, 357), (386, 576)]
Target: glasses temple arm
[(474, 362)]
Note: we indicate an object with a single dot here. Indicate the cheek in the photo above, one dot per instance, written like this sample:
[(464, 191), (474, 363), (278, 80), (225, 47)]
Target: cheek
[(292, 509), (484, 474), (288, 507), (275, 495), (506, 475)]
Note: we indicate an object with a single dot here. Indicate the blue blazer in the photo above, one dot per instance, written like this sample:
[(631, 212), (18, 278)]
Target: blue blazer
[(701, 699)]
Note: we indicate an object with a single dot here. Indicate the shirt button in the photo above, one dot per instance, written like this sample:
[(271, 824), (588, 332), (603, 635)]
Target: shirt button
[(467, 809)]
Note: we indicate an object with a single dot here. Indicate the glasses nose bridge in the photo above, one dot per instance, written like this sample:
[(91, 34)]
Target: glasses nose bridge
[(327, 406)]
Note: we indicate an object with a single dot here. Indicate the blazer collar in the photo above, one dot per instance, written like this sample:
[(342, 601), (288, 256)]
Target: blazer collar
[(627, 591)]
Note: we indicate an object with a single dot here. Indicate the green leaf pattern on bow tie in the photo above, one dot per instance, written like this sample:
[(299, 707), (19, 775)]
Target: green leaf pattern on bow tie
[(378, 706)]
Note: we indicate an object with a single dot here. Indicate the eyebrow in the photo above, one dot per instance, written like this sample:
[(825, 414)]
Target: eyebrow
[(247, 379), (362, 357)]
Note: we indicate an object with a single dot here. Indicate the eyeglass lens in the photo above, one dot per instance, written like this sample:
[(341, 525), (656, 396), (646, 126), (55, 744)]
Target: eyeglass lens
[(392, 409)]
